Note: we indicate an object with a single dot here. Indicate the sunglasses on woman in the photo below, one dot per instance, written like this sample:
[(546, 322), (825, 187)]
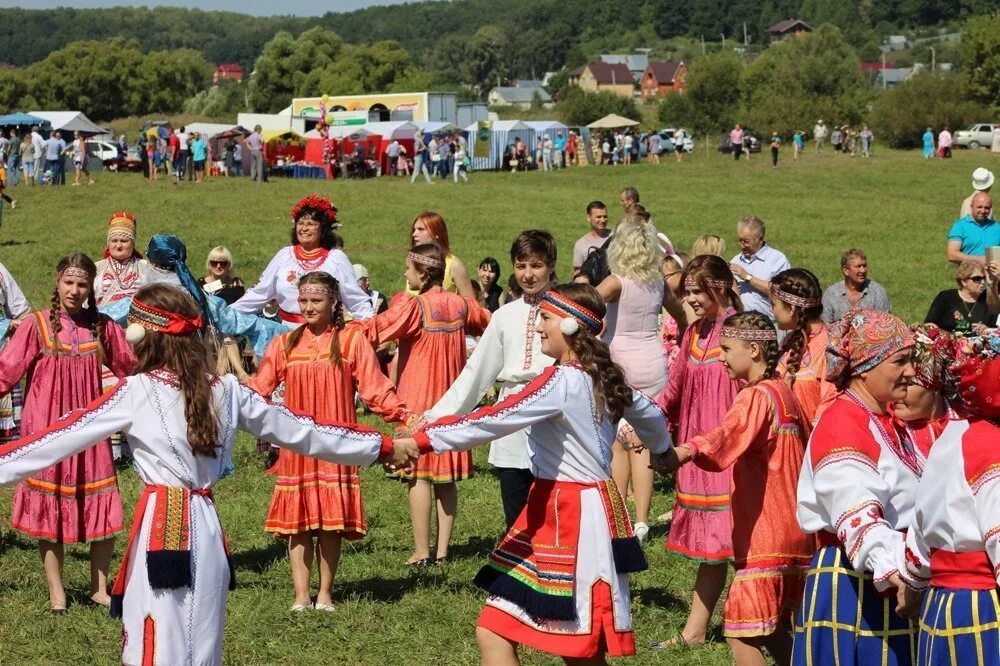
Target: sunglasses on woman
[(218, 263), (978, 279)]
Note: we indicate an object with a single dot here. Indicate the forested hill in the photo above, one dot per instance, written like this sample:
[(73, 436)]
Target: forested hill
[(557, 26)]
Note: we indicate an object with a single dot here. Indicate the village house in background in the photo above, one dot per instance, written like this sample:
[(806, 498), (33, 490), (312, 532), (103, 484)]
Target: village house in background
[(600, 76), (792, 27), (522, 94), (636, 62), (663, 78), (229, 72)]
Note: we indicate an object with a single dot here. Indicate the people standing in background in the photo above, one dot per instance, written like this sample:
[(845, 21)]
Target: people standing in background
[(736, 141), (28, 160), (80, 159), (944, 144), (54, 149), (151, 167), (38, 143), (820, 133), (775, 146), (755, 266), (420, 159), (392, 155), (199, 155), (982, 181), (255, 144), (653, 147), (461, 167), (928, 141), (183, 154), (238, 158), (596, 236), (836, 138), (867, 138), (13, 158), (571, 149), (680, 138), (559, 150), (798, 145)]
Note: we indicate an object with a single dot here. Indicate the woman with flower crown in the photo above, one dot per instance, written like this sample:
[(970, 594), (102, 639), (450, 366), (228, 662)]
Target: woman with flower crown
[(315, 247)]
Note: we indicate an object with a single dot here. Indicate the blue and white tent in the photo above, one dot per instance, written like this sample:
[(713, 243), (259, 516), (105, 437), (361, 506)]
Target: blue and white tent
[(547, 128), (502, 134)]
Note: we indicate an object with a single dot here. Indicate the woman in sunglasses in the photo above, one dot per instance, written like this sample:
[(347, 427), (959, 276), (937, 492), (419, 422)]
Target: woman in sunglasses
[(956, 310), (219, 279)]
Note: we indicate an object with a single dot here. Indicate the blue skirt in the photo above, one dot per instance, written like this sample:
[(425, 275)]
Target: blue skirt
[(959, 627), (844, 621)]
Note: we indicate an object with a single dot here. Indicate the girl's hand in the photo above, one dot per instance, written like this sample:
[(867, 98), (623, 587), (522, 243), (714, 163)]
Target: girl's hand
[(671, 460), (404, 455)]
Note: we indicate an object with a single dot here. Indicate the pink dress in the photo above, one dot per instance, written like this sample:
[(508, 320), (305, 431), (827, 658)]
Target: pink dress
[(634, 337), (77, 500), (697, 397)]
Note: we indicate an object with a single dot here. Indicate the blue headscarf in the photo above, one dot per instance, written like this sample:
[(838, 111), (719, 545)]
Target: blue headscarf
[(170, 252)]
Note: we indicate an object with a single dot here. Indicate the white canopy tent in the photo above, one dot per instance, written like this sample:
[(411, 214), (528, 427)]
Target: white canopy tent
[(73, 121), (612, 121), (393, 130), (436, 127)]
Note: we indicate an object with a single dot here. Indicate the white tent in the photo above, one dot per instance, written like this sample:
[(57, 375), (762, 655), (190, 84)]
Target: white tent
[(547, 128), (340, 132), (73, 121), (272, 121), (436, 127), (503, 133), (393, 130), (207, 130), (612, 121)]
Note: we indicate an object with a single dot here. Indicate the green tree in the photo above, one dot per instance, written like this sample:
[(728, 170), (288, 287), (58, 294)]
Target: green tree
[(901, 114), (168, 79), (579, 107), (713, 91), (980, 48), (13, 88), (288, 65), (799, 80)]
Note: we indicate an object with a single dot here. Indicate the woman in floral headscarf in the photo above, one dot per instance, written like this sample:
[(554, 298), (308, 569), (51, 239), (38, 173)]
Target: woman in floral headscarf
[(926, 410), (856, 492), (315, 247), (953, 544)]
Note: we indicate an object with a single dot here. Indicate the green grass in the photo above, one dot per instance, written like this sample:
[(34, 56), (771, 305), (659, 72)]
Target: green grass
[(896, 206)]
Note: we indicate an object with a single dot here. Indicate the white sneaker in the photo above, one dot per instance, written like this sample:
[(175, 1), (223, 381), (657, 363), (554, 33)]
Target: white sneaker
[(641, 532)]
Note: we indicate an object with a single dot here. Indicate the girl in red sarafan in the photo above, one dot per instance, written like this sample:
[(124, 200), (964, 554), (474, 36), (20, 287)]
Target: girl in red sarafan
[(431, 329), (61, 351), (322, 365)]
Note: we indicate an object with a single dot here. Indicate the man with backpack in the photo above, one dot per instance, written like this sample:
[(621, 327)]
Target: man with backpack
[(595, 239)]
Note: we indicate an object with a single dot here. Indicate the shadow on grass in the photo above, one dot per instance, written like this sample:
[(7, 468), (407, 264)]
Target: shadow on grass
[(13, 243), (13, 540), (259, 559), (386, 590), (661, 598), (478, 547)]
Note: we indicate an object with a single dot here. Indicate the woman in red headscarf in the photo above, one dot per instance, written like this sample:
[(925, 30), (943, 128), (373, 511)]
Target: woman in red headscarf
[(953, 545)]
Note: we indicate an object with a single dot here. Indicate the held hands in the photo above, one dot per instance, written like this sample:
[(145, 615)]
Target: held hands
[(907, 599), (670, 460), (404, 455)]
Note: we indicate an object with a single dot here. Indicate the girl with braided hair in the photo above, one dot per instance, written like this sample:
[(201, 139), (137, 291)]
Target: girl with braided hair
[(61, 350), (559, 580), (761, 437), (797, 303), (322, 363)]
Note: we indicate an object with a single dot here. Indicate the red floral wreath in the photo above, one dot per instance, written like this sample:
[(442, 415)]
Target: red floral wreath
[(316, 202)]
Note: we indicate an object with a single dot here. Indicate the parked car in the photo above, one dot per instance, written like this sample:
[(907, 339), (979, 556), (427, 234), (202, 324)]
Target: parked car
[(668, 135), (666, 142), (976, 136), (750, 142), (102, 150)]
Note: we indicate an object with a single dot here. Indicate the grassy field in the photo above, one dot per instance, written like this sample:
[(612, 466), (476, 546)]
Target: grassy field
[(897, 207)]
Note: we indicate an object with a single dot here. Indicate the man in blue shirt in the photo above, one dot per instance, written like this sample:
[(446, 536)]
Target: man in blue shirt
[(559, 158), (54, 149), (755, 265), (971, 235)]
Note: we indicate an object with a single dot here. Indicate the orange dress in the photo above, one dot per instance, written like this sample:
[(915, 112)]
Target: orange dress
[(310, 494), (811, 390), (431, 330), (761, 437)]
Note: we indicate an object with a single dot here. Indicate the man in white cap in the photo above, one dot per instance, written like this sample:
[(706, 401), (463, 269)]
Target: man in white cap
[(378, 300), (819, 135), (982, 181)]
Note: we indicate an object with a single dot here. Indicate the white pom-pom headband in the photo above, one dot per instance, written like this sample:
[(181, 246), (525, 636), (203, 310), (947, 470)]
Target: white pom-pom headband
[(572, 313)]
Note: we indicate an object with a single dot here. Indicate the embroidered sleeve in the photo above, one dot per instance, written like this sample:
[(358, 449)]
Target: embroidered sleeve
[(72, 434), (649, 422), (853, 494), (917, 557), (355, 300), (19, 355), (257, 296), (747, 423), (543, 398), (400, 321), (982, 472), (375, 389), (478, 375), (345, 444)]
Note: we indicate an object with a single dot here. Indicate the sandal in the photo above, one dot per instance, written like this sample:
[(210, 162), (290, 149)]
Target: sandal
[(328, 608), (298, 608)]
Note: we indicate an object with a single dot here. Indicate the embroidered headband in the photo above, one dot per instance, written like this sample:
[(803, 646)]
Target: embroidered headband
[(426, 261), (72, 271), (691, 281), (792, 299), (317, 289), (143, 317), (749, 334), (572, 313), (122, 225)]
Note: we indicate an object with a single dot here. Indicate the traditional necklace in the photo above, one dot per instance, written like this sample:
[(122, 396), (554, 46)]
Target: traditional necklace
[(120, 270), (904, 448), (310, 260)]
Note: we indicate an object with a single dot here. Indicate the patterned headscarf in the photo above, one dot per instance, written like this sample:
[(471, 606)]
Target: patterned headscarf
[(978, 375), (933, 354), (862, 340)]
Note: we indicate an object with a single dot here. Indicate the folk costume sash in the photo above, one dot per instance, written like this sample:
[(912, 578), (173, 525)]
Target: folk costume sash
[(168, 551), (534, 565)]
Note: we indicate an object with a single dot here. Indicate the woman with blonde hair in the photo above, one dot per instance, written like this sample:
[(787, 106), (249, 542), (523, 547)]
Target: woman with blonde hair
[(709, 244), (219, 278), (635, 293)]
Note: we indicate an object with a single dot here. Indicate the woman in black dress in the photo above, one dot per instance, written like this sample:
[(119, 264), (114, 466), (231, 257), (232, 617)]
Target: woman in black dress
[(489, 274), (956, 310), (219, 279)]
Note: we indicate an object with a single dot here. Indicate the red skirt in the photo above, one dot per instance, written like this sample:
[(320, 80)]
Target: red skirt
[(311, 495)]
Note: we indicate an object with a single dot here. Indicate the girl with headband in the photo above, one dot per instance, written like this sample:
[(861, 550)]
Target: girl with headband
[(761, 437), (181, 422), (797, 303), (61, 350), (953, 544), (321, 364), (569, 599), (698, 395), (431, 329), (856, 493)]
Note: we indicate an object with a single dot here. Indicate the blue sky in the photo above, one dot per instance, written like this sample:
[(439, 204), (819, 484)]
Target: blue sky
[(255, 7)]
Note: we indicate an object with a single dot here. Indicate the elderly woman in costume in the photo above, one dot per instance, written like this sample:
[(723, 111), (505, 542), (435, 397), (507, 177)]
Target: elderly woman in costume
[(856, 493), (953, 544), (926, 410), (122, 270), (314, 248)]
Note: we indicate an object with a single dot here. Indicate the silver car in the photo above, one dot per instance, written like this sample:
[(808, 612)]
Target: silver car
[(976, 136)]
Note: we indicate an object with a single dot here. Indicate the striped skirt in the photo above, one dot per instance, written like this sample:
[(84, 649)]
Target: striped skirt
[(959, 627), (843, 620)]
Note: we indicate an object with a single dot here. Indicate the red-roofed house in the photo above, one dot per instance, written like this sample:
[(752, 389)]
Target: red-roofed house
[(788, 28), (229, 71), (599, 76), (663, 77)]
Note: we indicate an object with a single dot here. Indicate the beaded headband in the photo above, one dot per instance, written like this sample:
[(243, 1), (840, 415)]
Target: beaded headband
[(317, 289), (567, 308), (426, 261), (143, 317), (72, 271), (691, 281), (121, 225), (792, 299), (749, 334)]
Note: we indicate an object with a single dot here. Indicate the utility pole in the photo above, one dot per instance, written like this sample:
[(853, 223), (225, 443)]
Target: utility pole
[(723, 41), (933, 59), (746, 42), (703, 44), (883, 71)]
